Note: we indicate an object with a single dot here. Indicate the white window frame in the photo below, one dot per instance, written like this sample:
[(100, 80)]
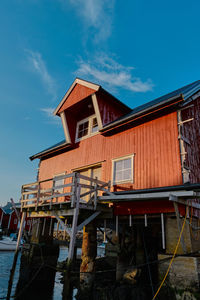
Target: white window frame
[(131, 156), (90, 133)]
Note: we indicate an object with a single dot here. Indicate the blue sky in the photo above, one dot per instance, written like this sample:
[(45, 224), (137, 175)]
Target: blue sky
[(137, 50)]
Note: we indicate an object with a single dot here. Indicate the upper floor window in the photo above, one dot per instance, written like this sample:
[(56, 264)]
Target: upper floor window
[(123, 169), (86, 127)]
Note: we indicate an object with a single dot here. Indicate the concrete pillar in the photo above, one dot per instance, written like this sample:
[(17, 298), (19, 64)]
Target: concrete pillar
[(89, 252), (38, 263)]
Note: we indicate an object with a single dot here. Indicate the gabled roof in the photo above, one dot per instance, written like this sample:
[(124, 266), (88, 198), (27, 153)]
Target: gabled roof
[(184, 92), (50, 149), (82, 82)]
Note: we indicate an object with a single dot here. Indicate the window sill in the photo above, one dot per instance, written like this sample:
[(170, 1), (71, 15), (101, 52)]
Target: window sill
[(86, 137)]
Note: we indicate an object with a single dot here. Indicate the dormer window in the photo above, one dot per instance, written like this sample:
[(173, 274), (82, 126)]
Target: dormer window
[(86, 127)]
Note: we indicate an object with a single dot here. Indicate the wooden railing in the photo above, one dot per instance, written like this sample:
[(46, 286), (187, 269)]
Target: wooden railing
[(51, 192)]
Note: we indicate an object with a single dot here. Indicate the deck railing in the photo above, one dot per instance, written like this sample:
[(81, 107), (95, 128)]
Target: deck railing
[(51, 191)]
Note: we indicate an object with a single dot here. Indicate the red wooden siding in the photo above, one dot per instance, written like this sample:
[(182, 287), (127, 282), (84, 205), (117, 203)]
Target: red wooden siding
[(78, 93), (146, 207), (154, 143), (109, 112)]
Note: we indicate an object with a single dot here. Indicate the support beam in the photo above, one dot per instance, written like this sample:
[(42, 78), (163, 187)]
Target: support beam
[(174, 198), (117, 225), (188, 203), (147, 196), (130, 220), (88, 220), (74, 226), (62, 224), (163, 230), (145, 220)]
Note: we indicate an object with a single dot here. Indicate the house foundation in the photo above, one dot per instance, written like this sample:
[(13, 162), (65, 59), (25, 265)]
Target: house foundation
[(38, 263)]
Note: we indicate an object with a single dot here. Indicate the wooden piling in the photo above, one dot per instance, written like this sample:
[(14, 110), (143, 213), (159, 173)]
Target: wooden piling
[(89, 252)]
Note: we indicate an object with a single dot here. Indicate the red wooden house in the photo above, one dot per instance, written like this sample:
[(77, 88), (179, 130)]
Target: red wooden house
[(9, 220), (151, 154)]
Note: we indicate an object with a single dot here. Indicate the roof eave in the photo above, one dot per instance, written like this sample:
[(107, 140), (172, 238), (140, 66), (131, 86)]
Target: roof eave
[(140, 113), (49, 151)]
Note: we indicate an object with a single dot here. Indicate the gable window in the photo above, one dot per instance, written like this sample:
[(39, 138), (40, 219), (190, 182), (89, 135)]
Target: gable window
[(122, 169), (86, 128)]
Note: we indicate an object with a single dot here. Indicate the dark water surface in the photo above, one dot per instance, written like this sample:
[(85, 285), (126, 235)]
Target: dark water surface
[(6, 260)]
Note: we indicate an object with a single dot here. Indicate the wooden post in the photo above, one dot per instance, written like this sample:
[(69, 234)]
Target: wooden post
[(163, 230), (52, 193), (30, 226), (74, 189), (64, 235), (38, 225), (12, 271), (145, 220), (57, 229), (95, 194), (74, 225), (117, 225), (130, 220), (43, 228), (104, 235), (38, 196), (89, 251), (173, 198), (50, 227)]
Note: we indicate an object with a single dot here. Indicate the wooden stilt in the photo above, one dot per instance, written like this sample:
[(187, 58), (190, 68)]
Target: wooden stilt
[(57, 229), (117, 225), (12, 271), (130, 220), (50, 227), (74, 226), (104, 235), (163, 230), (38, 225), (30, 226), (43, 228), (145, 220), (171, 198)]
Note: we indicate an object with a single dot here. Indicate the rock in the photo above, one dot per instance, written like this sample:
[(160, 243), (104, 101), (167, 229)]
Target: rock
[(131, 276)]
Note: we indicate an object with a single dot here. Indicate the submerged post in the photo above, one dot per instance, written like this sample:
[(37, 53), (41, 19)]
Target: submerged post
[(89, 252)]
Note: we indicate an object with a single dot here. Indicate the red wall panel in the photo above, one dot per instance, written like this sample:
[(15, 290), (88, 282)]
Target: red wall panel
[(78, 93), (154, 143)]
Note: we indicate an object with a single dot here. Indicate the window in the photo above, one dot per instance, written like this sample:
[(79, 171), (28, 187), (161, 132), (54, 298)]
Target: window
[(86, 128), (123, 169)]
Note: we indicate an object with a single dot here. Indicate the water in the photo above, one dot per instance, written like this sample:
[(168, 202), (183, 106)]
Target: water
[(6, 260)]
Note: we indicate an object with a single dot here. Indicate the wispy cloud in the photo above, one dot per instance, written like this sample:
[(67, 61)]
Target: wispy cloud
[(38, 65), (96, 15), (106, 70), (48, 111)]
